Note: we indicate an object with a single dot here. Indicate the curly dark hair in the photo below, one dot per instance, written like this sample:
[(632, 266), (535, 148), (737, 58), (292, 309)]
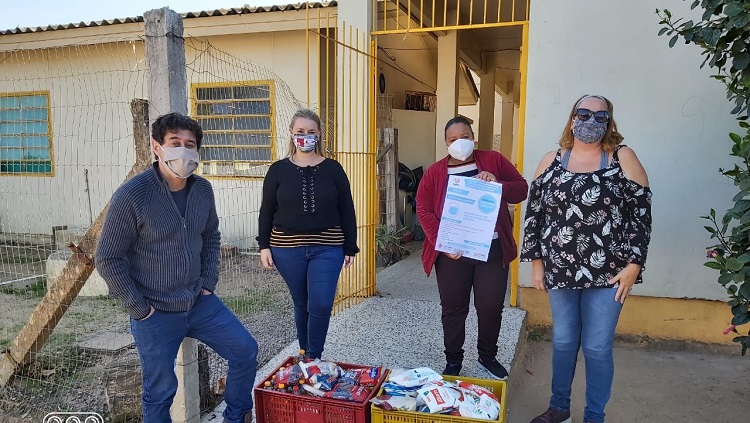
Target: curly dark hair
[(459, 119), (173, 122)]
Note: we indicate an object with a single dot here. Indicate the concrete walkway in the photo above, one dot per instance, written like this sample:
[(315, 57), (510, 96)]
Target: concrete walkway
[(401, 328), (649, 386)]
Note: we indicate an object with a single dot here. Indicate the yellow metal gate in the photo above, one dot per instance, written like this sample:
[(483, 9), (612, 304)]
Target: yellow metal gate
[(436, 16), (342, 63), (341, 72)]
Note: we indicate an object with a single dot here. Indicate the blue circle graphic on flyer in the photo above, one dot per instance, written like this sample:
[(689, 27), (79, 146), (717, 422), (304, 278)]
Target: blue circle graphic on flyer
[(487, 204)]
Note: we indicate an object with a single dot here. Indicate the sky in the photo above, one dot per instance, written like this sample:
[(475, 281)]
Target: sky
[(49, 12)]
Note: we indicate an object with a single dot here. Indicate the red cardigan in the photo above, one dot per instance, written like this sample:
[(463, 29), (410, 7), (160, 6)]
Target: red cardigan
[(431, 196)]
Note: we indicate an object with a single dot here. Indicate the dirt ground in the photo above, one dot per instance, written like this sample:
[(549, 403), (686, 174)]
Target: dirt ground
[(651, 385), (63, 376)]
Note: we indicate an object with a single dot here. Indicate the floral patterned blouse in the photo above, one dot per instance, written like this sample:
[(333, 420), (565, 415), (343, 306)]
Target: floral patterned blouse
[(586, 227)]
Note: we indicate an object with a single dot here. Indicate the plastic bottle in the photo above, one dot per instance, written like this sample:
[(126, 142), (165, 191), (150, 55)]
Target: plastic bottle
[(282, 387), (300, 357), (267, 385), (296, 390)]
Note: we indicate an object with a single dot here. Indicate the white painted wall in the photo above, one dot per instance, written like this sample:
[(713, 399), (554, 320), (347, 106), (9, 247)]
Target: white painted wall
[(92, 124), (259, 56), (671, 113), (416, 134), (90, 89), (407, 63)]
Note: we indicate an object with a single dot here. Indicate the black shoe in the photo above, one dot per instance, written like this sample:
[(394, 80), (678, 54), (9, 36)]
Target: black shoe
[(553, 416), (452, 369), (494, 368)]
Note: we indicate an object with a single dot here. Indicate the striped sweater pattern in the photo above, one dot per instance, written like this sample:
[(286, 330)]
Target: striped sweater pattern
[(149, 255)]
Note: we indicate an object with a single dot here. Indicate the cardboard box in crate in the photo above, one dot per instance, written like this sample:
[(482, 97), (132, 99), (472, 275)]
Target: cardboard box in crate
[(496, 386), (280, 407)]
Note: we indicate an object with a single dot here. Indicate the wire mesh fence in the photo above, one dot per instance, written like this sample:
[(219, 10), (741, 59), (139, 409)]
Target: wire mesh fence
[(66, 144)]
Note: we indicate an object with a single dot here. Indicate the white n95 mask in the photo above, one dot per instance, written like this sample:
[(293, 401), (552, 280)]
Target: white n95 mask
[(461, 149)]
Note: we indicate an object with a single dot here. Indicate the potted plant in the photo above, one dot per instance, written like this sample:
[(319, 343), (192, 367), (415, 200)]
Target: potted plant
[(388, 245), (407, 236)]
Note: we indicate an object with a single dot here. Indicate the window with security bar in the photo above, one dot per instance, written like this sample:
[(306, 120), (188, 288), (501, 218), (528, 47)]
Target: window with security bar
[(238, 127), (25, 136)]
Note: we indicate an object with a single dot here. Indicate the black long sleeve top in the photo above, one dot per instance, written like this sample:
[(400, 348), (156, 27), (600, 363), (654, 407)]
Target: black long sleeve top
[(311, 201)]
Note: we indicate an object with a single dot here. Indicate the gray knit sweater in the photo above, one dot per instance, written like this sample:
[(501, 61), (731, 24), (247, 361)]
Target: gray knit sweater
[(149, 255)]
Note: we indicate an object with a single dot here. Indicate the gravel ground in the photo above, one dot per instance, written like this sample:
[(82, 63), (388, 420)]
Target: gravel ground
[(66, 377)]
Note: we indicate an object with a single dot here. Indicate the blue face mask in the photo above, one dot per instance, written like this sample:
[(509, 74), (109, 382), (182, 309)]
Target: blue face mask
[(589, 131)]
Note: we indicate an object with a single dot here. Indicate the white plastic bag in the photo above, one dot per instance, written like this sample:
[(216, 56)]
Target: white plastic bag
[(438, 396), (415, 377)]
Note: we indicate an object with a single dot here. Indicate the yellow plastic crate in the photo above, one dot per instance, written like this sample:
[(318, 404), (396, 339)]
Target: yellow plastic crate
[(498, 387)]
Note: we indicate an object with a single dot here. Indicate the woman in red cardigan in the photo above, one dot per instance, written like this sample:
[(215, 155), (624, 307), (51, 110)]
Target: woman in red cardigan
[(457, 275)]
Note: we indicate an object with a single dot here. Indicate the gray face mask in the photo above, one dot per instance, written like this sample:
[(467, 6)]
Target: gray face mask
[(589, 131), (182, 161)]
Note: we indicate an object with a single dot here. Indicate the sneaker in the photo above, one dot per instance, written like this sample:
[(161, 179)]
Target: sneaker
[(553, 416), (494, 368), (452, 369)]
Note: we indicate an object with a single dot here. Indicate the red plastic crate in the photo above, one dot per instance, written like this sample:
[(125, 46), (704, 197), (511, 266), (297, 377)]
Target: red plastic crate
[(280, 407)]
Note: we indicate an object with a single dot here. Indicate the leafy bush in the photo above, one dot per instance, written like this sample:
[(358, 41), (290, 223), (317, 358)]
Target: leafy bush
[(723, 33)]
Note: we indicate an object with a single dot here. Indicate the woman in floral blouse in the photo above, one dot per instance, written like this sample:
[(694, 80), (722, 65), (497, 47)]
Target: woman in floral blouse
[(587, 229)]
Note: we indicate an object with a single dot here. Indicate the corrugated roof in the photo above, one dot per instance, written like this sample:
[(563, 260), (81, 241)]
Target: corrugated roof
[(202, 14)]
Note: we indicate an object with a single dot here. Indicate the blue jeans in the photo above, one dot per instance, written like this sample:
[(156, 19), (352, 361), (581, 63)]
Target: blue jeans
[(312, 273), (159, 337), (583, 318)]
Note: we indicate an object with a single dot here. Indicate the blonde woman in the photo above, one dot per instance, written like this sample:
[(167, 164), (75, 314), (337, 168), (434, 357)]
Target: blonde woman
[(307, 228)]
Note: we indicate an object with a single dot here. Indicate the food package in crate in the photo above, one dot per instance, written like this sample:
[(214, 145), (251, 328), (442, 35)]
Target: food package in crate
[(325, 379), (436, 396), (342, 402)]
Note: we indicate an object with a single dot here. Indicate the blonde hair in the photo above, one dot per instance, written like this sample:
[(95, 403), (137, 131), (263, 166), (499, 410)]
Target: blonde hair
[(310, 115), (611, 138)]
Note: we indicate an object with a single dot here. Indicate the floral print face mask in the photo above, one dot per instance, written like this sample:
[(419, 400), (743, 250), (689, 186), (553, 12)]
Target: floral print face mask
[(589, 131)]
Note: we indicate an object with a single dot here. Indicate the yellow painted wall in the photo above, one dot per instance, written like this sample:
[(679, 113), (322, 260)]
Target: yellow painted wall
[(662, 318)]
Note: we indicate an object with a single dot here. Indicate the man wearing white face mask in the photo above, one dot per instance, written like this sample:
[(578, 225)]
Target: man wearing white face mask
[(457, 276), (159, 255)]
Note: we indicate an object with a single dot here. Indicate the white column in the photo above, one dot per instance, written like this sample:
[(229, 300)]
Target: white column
[(487, 105), (165, 54), (507, 136), (447, 87), (353, 75)]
